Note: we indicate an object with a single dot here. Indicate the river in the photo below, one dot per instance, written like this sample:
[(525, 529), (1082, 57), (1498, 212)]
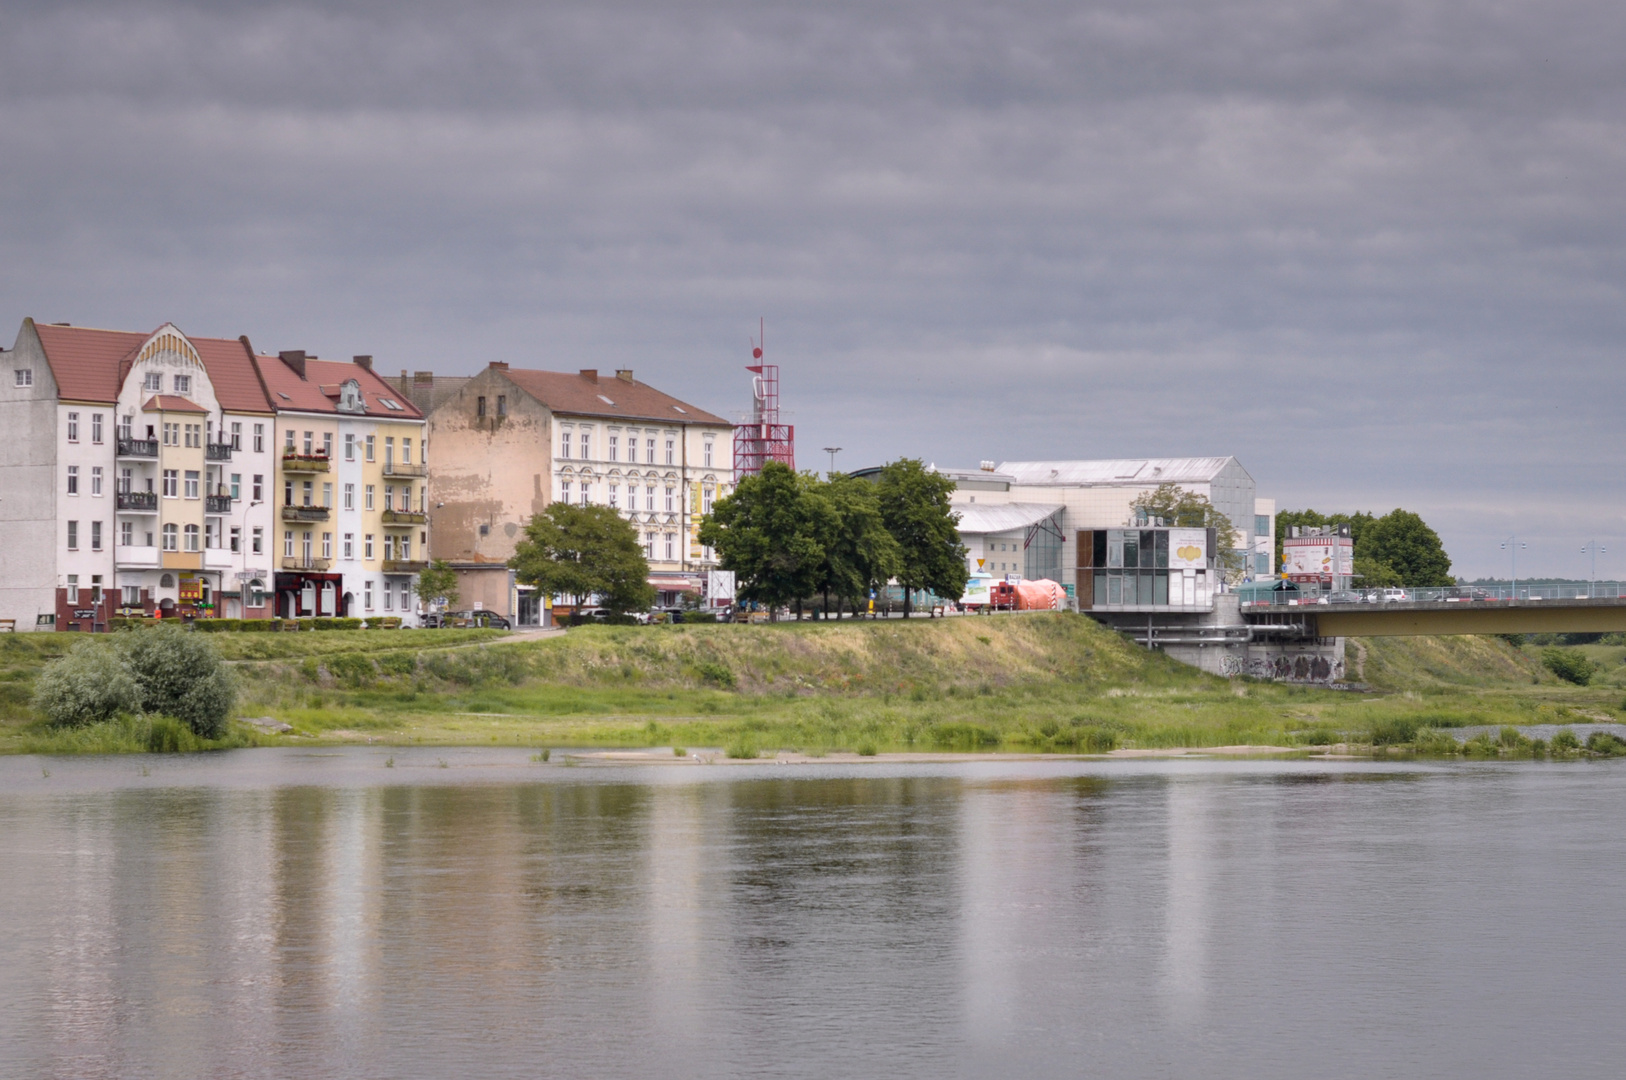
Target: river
[(441, 913)]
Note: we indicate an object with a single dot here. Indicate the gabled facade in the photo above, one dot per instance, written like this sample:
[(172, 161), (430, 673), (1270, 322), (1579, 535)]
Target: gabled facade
[(136, 479), (351, 490), (508, 442)]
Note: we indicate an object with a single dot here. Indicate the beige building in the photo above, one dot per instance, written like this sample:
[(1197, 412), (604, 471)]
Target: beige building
[(508, 442)]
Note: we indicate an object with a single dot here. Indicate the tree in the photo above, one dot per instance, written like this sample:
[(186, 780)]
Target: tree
[(584, 551), (180, 675), (1171, 504), (770, 532), (1404, 543), (915, 508), (859, 553), (437, 584), (91, 684)]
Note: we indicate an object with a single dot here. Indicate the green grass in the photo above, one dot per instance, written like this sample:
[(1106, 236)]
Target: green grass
[(1041, 683)]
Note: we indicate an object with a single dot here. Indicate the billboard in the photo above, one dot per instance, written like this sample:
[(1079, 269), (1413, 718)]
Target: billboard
[(1188, 549), (1318, 558)]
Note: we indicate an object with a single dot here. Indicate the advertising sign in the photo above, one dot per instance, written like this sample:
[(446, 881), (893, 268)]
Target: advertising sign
[(191, 589), (720, 587), (1318, 558), (976, 589), (1188, 549)]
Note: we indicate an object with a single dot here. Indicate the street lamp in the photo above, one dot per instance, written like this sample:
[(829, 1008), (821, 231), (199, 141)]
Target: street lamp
[(1512, 545), (832, 451), (1595, 549)]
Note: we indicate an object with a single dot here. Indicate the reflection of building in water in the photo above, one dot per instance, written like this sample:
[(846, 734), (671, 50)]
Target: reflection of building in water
[(676, 864), (1187, 915)]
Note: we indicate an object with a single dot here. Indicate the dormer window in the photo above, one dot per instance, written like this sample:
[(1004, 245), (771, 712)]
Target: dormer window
[(183, 384), (350, 398)]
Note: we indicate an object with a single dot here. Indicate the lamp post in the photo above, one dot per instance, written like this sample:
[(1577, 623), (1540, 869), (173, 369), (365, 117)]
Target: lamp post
[(1595, 549), (832, 451), (1512, 545)]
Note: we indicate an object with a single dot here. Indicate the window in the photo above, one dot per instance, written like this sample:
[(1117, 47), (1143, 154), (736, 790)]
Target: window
[(287, 543), (132, 596), (649, 497), (564, 491), (256, 541), (708, 453), (309, 447), (327, 545), (367, 547), (73, 427), (236, 486), (670, 495), (649, 451), (95, 479), (236, 437), (389, 547), (305, 546), (288, 444), (127, 534), (502, 404), (73, 588), (615, 448), (172, 479), (389, 597), (649, 545), (194, 435), (671, 542), (306, 488), (183, 384), (259, 438), (73, 479), (127, 481), (23, 376), (406, 548), (370, 448), (671, 452), (154, 382), (349, 446), (367, 492), (73, 536), (349, 496), (389, 497), (191, 483), (124, 427), (96, 427), (367, 595), (192, 538), (564, 444), (349, 545), (406, 596), (705, 499), (236, 539), (287, 492), (95, 536), (327, 494), (172, 434), (211, 533), (406, 451), (172, 534), (587, 442), (480, 407), (615, 494), (585, 487)]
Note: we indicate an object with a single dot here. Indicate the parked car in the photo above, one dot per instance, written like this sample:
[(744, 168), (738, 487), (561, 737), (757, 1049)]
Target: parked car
[(1346, 596), (464, 620), (1392, 596)]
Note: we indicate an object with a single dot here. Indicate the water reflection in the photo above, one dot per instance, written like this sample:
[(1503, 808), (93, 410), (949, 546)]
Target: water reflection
[(937, 923)]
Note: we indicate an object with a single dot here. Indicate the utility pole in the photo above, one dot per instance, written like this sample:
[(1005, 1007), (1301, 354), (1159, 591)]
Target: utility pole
[(1595, 548), (1512, 545)]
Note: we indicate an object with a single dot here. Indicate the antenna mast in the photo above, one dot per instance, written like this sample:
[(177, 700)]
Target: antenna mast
[(763, 438)]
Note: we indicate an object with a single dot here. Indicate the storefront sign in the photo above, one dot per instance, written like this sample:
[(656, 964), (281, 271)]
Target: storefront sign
[(191, 589)]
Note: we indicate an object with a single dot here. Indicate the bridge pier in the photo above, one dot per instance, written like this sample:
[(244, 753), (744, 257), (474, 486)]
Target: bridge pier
[(1220, 642)]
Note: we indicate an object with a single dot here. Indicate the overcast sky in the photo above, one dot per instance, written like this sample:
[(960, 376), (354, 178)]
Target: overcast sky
[(1374, 250)]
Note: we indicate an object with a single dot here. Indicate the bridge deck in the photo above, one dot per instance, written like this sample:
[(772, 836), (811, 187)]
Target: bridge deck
[(1411, 618)]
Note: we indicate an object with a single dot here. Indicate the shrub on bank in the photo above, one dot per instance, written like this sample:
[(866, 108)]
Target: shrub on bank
[(1571, 665), (91, 684), (181, 675)]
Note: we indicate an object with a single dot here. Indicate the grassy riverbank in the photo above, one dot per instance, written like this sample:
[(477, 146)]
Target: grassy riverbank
[(1054, 683)]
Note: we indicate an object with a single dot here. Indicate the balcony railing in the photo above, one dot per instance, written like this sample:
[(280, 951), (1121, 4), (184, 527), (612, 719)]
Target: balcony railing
[(217, 451), (403, 468), (217, 504), (405, 566), (403, 517), (304, 513), (295, 562), (137, 500), (138, 448), (304, 463)]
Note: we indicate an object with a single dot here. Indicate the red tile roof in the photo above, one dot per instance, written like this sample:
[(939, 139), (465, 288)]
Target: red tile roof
[(90, 365), (171, 403), (289, 391), (608, 397)]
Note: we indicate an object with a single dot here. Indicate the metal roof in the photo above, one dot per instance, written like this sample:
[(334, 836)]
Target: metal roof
[(982, 518), (1136, 472)]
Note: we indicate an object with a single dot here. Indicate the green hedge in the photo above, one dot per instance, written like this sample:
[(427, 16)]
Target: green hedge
[(226, 626), (221, 626), (387, 622)]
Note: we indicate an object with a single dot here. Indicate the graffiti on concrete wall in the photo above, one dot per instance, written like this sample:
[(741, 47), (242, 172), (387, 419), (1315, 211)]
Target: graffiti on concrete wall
[(1300, 667)]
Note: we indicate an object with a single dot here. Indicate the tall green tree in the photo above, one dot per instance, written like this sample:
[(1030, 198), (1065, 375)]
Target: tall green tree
[(915, 507), (437, 584), (1403, 542), (585, 551), (770, 532), (859, 553), (1173, 505)]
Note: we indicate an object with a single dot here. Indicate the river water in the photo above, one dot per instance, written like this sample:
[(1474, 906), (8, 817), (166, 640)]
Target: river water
[(271, 913)]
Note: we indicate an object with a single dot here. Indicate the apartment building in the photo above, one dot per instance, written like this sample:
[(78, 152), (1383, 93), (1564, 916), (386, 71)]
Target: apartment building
[(508, 442), (134, 479), (350, 489)]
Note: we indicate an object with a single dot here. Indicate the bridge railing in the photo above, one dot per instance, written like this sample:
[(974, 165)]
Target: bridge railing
[(1450, 594)]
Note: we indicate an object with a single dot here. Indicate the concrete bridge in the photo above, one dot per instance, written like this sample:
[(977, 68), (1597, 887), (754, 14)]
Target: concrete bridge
[(1565, 609)]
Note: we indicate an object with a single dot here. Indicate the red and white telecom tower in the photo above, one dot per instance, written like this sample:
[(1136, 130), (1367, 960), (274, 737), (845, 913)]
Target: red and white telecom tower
[(763, 438)]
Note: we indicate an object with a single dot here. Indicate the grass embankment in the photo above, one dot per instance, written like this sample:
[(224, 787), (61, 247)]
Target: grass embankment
[(1056, 683)]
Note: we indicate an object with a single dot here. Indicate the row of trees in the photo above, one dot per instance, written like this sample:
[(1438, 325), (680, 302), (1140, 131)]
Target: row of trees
[(789, 536), (1396, 549)]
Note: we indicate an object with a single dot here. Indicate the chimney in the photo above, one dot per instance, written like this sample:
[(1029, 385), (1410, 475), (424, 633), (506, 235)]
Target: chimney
[(624, 374), (590, 374), (499, 365), (421, 378), (364, 361), (295, 359)]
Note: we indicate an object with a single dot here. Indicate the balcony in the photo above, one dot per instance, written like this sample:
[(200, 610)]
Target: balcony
[(293, 562), (304, 463), (401, 468), (403, 517), (405, 566), (218, 558), (127, 557), (304, 513), (138, 448), (217, 504), (217, 451), (140, 502)]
